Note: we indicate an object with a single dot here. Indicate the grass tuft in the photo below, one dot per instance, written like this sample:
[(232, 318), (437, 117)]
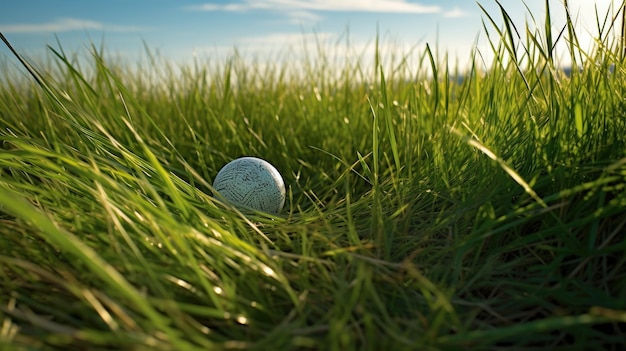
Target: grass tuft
[(428, 207)]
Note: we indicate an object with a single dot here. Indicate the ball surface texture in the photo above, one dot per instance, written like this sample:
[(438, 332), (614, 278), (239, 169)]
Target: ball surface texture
[(251, 183)]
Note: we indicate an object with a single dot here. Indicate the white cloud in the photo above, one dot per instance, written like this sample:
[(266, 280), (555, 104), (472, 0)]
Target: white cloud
[(388, 6), (268, 46), (64, 25), (298, 47), (298, 17), (455, 13), (285, 39), (274, 43)]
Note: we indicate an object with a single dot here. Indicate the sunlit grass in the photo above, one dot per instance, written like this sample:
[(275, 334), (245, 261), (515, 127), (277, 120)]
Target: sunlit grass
[(427, 208)]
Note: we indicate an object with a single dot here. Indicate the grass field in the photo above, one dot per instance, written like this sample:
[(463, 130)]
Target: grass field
[(428, 208)]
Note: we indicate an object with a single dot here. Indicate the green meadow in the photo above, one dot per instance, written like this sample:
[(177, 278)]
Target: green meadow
[(428, 207)]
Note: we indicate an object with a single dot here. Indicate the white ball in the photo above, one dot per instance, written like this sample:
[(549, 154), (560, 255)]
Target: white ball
[(251, 183)]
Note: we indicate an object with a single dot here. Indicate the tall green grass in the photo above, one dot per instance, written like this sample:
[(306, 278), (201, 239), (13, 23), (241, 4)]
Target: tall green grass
[(428, 208)]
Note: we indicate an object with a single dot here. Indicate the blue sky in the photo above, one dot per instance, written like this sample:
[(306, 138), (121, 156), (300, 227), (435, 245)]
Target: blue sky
[(181, 29)]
